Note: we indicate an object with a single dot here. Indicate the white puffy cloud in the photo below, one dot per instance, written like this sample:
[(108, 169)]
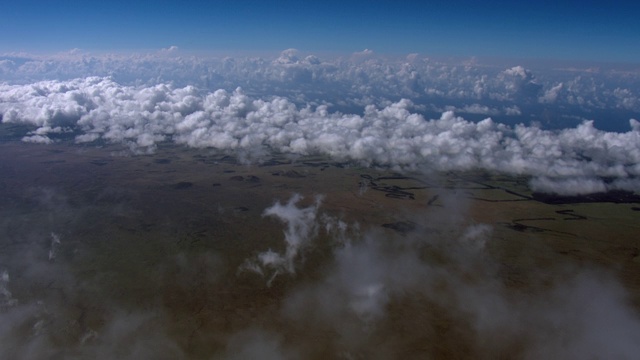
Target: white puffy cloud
[(551, 95), (512, 110), (477, 109), (141, 116), (170, 49)]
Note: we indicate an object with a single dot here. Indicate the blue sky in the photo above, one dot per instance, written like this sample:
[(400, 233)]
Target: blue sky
[(574, 30)]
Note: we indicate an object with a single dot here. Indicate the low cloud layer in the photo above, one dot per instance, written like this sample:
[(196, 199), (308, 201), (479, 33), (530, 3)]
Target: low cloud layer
[(569, 161)]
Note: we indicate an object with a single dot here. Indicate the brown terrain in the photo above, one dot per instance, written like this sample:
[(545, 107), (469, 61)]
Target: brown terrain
[(152, 247)]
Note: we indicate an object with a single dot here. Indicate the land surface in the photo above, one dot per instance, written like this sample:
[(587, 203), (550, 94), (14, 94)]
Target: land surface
[(162, 238)]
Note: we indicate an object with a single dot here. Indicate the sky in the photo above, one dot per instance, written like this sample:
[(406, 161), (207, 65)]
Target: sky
[(573, 30)]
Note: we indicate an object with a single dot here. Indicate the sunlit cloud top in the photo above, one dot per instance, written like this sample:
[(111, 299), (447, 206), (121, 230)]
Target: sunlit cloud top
[(575, 160)]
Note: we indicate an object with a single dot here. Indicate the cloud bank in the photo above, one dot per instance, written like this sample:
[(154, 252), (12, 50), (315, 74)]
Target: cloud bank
[(575, 160), (358, 79)]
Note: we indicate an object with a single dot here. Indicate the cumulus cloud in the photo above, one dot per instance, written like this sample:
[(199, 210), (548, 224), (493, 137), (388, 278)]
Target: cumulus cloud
[(304, 77), (301, 229), (141, 117), (289, 56), (171, 49), (476, 109), (512, 110), (551, 95)]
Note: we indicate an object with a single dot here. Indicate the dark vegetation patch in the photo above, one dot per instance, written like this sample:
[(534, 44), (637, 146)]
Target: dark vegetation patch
[(315, 164), (53, 162), (391, 191), (182, 185), (613, 196), (403, 227), (214, 159), (402, 195), (517, 225), (99, 162), (290, 174), (433, 199), (572, 214), (248, 178), (524, 228), (274, 162)]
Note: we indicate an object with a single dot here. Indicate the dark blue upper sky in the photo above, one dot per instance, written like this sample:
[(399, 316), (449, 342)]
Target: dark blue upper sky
[(574, 30)]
